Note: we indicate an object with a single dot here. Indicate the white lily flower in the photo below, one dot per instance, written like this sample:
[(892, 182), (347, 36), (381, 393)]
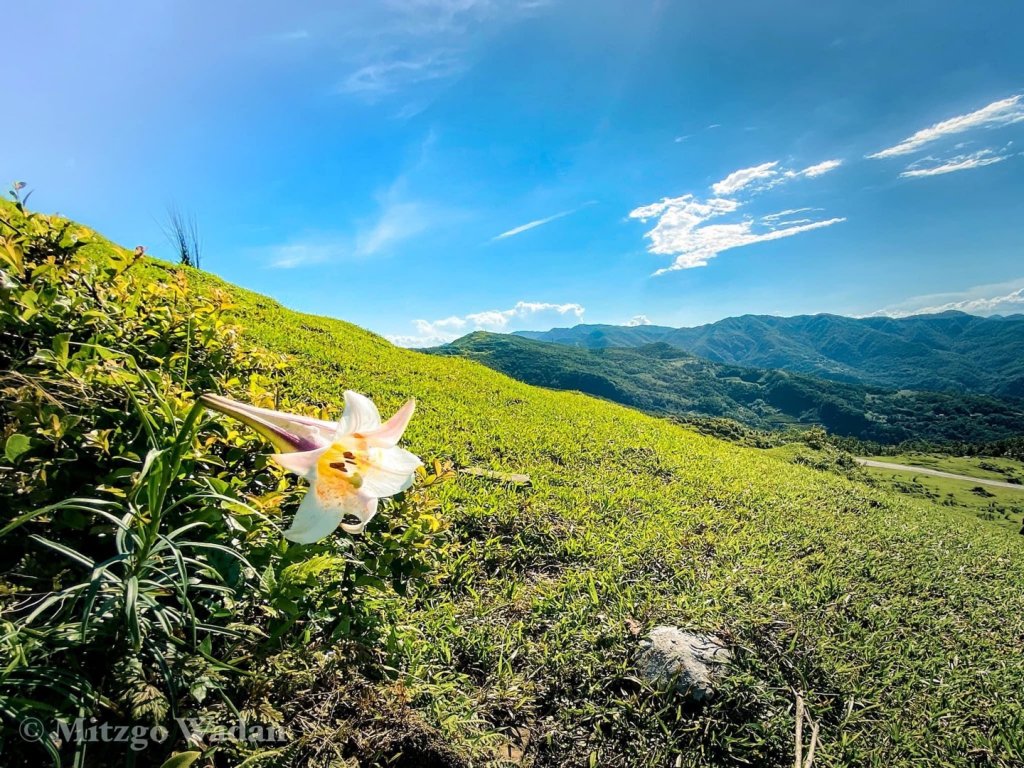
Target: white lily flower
[(349, 465)]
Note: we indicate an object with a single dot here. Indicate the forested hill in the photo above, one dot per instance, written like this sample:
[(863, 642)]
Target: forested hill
[(662, 379), (950, 351)]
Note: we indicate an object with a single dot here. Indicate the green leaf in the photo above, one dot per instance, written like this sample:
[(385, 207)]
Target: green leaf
[(182, 760), (60, 347), (15, 446), (260, 757)]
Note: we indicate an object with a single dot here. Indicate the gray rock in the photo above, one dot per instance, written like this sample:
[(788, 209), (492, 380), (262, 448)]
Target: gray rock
[(693, 660)]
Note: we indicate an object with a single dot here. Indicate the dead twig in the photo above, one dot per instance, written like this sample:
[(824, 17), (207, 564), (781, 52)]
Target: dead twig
[(799, 762), (801, 715)]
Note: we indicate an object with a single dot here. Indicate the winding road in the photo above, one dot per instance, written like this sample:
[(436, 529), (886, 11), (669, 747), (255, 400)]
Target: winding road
[(938, 473)]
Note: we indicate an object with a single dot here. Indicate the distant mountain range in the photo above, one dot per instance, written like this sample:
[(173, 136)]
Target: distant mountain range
[(662, 379), (947, 352)]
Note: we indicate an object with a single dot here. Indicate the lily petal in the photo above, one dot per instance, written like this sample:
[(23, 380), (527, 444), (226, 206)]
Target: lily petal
[(360, 416), (302, 463), (285, 431), (391, 471), (388, 435), (314, 521), (280, 418), (365, 515)]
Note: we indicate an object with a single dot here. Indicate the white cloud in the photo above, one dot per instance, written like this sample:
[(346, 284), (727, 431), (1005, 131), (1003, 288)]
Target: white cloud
[(1012, 302), (768, 175), (437, 326), (932, 167), (780, 224), (744, 177), (998, 113), (998, 299), (434, 332), (540, 222), (820, 168), (499, 319), (682, 229), (787, 212), (637, 320)]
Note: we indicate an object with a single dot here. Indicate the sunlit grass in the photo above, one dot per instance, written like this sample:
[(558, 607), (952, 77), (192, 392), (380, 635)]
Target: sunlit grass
[(888, 615), (1002, 506)]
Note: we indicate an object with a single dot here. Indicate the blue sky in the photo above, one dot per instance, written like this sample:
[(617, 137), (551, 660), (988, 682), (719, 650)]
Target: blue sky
[(427, 167)]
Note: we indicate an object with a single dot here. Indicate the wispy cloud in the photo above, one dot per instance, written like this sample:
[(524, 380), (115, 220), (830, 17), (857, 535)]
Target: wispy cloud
[(386, 77), (399, 217), (409, 43), (396, 222), (930, 166), (998, 113), (820, 168), (434, 332), (302, 253), (1010, 302), (999, 299), (744, 177), (541, 222), (787, 213), (682, 229), (638, 320), (767, 175)]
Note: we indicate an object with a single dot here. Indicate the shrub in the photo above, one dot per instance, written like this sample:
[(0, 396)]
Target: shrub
[(144, 576)]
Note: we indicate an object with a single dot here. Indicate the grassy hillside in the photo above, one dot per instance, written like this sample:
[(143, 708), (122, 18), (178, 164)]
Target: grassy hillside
[(662, 379), (1003, 506), (899, 623), (951, 351)]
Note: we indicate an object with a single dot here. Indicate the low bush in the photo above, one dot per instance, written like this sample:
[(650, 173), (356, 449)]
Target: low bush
[(144, 579)]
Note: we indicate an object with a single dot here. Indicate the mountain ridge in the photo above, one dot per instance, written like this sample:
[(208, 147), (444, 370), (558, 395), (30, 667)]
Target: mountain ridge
[(944, 352), (661, 379)]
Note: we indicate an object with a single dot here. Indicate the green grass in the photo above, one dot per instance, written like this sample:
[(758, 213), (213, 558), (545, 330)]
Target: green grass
[(898, 621), (1004, 506), (989, 468)]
